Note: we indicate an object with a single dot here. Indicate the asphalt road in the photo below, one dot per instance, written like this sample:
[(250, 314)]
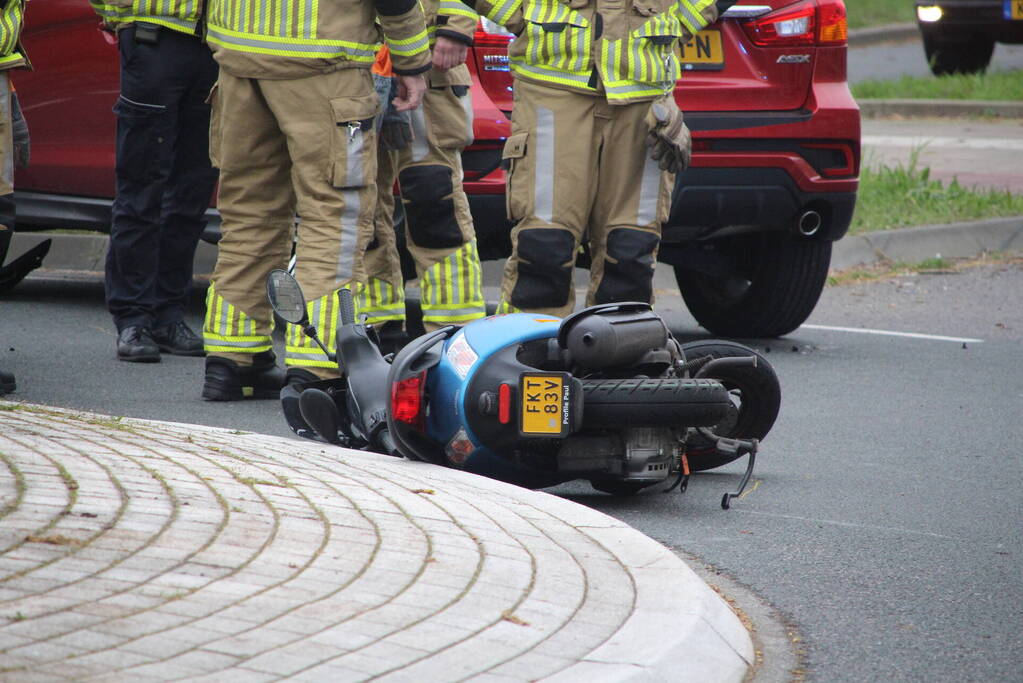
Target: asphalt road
[(885, 520), (892, 60), (888, 520)]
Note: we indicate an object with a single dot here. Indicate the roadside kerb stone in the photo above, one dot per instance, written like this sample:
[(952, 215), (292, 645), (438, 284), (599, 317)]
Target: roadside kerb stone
[(889, 33), (925, 108), (913, 245), (149, 550)]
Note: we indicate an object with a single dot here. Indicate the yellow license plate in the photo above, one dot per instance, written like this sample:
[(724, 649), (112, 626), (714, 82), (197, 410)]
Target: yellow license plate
[(1015, 9), (703, 51), (545, 403)]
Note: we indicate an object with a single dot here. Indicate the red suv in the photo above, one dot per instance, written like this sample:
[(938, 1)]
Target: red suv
[(772, 183)]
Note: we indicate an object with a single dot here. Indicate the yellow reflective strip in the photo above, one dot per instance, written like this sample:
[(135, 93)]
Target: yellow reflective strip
[(331, 332), (368, 59), (236, 338), (417, 38), (236, 349)]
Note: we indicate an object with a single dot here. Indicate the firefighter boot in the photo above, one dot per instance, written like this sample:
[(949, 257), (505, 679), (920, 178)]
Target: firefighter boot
[(226, 380)]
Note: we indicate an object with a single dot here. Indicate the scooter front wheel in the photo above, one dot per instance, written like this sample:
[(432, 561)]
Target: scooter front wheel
[(754, 395)]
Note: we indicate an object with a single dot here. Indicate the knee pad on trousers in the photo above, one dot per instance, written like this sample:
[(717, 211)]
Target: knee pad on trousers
[(544, 278), (629, 277), (429, 207)]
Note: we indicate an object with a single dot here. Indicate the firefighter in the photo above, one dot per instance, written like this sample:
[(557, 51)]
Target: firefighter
[(292, 131), (439, 232), (596, 141), (164, 180)]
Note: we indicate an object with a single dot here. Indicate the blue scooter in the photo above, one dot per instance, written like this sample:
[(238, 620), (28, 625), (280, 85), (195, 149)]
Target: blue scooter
[(605, 395)]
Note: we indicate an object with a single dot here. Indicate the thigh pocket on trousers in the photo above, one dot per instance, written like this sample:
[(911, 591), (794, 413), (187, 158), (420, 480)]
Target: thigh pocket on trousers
[(139, 144), (353, 158), (449, 117), (517, 188)]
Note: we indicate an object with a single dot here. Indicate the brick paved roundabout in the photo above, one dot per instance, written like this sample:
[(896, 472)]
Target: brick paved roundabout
[(135, 550)]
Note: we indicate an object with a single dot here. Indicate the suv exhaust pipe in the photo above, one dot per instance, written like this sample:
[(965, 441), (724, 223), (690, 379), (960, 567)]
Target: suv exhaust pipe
[(809, 223)]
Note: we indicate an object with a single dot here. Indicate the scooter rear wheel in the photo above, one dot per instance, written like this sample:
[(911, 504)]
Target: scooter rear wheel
[(662, 402)]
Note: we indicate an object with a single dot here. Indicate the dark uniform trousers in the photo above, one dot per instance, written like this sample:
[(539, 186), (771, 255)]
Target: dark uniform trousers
[(164, 177)]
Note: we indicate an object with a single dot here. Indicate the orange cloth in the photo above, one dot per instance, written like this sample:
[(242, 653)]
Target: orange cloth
[(382, 66)]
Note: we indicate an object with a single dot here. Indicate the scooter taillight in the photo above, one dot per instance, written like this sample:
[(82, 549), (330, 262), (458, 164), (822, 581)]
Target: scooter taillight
[(407, 400)]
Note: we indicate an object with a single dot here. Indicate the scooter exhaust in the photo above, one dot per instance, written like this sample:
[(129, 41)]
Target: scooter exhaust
[(809, 223)]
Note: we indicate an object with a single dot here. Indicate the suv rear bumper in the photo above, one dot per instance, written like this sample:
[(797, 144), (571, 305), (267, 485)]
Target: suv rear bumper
[(710, 202)]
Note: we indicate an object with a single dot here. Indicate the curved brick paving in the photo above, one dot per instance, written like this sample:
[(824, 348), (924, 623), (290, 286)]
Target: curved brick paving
[(141, 550)]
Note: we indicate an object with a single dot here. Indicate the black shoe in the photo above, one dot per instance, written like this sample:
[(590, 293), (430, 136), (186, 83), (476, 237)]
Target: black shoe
[(7, 383), (178, 339), (135, 344), (228, 381)]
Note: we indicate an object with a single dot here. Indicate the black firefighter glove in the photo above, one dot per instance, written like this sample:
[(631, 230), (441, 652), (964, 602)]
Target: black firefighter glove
[(19, 133), (669, 141)]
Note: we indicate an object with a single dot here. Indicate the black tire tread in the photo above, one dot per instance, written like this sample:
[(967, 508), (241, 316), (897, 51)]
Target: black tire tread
[(652, 402), (786, 283)]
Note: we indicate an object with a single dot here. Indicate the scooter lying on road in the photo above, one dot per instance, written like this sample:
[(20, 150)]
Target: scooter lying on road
[(605, 395)]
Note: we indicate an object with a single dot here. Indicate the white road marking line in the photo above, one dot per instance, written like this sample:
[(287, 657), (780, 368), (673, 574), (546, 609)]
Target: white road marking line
[(941, 141), (890, 333)]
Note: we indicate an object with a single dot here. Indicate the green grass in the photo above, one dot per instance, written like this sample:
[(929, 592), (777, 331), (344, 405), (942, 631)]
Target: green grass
[(906, 195), (864, 13), (1001, 85)]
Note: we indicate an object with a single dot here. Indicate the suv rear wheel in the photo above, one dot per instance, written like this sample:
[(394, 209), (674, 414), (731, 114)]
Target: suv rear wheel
[(778, 282), (971, 56)]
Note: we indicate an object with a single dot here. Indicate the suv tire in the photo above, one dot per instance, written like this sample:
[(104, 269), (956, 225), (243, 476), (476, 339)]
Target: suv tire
[(972, 56), (780, 281)]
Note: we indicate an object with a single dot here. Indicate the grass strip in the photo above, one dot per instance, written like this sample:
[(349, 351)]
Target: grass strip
[(999, 85), (934, 266), (906, 195), (863, 13)]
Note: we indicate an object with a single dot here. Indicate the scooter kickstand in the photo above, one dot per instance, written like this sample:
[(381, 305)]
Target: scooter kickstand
[(750, 447)]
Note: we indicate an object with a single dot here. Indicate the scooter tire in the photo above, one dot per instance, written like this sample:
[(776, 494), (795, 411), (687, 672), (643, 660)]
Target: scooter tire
[(662, 402), (755, 388)]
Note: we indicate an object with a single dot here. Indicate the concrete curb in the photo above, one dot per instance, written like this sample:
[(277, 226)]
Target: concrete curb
[(923, 108), (913, 245), (889, 33), (299, 559), (85, 253)]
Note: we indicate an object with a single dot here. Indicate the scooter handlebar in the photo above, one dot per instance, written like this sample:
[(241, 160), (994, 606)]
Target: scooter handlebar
[(346, 306)]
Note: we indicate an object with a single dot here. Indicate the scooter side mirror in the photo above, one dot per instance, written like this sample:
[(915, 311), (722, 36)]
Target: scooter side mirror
[(288, 301), (286, 297)]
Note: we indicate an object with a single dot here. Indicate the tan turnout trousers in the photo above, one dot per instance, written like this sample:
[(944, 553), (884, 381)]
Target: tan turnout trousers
[(305, 146), (439, 232), (579, 169), (6, 137)]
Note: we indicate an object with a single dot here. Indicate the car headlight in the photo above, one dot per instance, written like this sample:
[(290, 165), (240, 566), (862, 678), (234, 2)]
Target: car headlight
[(929, 13)]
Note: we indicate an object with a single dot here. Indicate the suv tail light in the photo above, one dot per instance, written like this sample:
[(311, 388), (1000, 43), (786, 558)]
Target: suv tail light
[(491, 34), (407, 400), (811, 22)]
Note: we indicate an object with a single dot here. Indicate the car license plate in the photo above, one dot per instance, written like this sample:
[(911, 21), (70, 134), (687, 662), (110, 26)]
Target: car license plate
[(546, 403), (1014, 9), (703, 51)]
